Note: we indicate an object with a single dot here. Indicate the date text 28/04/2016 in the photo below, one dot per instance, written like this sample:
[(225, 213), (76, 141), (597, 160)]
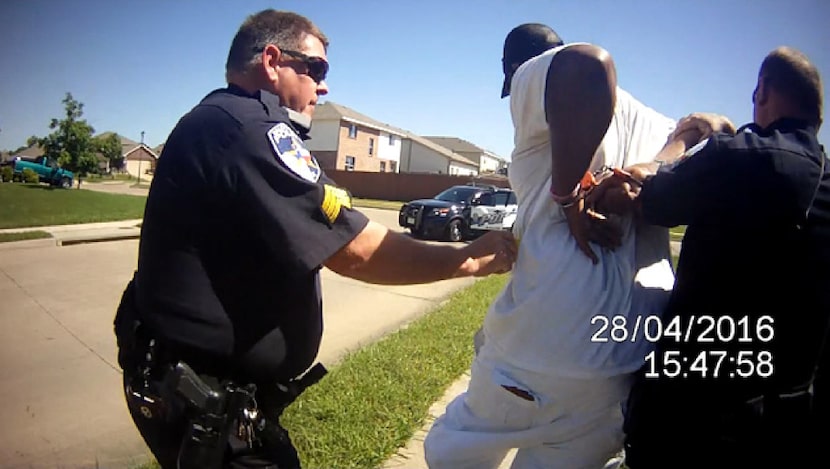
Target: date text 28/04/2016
[(689, 329), (712, 364)]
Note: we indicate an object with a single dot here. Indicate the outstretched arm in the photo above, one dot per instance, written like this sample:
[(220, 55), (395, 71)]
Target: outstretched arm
[(580, 94), (380, 256)]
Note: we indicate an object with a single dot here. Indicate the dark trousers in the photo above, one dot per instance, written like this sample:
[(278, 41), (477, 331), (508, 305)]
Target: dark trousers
[(668, 428), (164, 438)]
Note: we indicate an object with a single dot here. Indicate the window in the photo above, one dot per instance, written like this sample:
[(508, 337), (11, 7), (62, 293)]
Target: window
[(512, 199), (372, 147), (352, 131), (382, 166), (349, 163), (500, 198), (391, 139), (486, 199), (393, 166)]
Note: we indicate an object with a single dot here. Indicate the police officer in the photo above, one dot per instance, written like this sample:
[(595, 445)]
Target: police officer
[(737, 389), (224, 313)]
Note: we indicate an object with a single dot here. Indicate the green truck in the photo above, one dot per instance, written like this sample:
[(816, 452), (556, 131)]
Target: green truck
[(46, 168)]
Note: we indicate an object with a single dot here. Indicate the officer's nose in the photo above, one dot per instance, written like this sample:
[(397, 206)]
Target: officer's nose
[(322, 88)]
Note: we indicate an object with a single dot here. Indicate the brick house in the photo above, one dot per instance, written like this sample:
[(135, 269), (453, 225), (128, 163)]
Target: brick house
[(344, 139)]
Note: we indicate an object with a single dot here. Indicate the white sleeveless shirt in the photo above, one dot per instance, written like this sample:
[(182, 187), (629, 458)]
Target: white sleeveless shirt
[(542, 320)]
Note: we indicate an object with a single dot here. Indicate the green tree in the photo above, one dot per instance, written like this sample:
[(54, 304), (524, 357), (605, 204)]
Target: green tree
[(110, 148), (33, 140), (71, 142)]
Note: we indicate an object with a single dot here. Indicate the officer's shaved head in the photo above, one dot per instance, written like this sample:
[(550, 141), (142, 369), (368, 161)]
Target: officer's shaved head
[(284, 29), (791, 74)]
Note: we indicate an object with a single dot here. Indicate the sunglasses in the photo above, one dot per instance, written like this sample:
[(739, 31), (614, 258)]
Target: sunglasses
[(317, 66)]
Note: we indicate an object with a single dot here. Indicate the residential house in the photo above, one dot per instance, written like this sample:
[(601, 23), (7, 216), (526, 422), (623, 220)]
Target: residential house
[(488, 162), (342, 138), (139, 159), (419, 155), (32, 152)]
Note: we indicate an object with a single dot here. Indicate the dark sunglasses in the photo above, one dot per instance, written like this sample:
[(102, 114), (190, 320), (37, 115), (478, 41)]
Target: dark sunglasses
[(317, 66)]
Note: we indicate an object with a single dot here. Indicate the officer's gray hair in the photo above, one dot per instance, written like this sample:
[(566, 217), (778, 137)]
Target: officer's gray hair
[(283, 29), (790, 73)]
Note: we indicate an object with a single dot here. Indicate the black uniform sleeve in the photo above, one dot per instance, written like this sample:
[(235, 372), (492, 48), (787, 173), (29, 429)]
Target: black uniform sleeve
[(694, 185), (302, 221)]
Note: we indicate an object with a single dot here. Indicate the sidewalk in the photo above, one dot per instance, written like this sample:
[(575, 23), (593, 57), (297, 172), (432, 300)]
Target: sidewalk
[(63, 235)]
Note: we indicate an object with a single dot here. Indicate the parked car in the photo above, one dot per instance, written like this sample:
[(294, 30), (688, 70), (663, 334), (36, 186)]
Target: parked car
[(46, 168), (460, 212)]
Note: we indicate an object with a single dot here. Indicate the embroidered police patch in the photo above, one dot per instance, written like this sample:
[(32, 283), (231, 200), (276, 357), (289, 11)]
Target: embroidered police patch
[(290, 149), (333, 200)]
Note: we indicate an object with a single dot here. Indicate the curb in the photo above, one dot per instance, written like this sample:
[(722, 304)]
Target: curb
[(69, 241)]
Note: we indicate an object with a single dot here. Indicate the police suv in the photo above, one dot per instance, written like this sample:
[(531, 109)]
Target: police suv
[(460, 212)]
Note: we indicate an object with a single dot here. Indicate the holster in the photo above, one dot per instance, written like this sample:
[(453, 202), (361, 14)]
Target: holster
[(273, 399)]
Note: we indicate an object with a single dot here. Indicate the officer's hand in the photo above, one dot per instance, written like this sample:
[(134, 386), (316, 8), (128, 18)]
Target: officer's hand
[(613, 195), (493, 253), (704, 122), (605, 231)]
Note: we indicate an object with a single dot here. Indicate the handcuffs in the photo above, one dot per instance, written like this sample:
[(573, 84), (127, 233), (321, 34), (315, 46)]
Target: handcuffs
[(588, 182)]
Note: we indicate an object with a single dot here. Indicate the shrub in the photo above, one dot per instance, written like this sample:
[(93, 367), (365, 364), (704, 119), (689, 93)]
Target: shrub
[(6, 173), (30, 176)]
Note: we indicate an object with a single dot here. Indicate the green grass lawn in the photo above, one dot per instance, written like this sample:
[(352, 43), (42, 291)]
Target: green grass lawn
[(677, 233), (375, 203), (23, 235), (27, 205), (372, 404)]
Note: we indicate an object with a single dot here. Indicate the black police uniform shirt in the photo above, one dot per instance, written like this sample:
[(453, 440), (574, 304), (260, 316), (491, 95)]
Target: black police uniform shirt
[(749, 249), (238, 221)]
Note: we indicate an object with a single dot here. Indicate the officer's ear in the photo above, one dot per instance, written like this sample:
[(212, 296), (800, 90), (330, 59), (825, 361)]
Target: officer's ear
[(762, 91), (270, 58)]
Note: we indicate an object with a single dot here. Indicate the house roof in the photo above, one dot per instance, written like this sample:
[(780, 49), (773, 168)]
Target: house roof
[(128, 146), (333, 111), (32, 151), (459, 144)]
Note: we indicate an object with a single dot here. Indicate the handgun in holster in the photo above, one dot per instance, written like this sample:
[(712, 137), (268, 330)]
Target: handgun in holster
[(212, 412)]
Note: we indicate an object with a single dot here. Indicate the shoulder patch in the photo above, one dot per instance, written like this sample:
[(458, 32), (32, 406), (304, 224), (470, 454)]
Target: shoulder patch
[(334, 199), (290, 149)]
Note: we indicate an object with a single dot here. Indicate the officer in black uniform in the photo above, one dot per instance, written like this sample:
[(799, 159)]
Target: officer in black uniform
[(224, 313), (734, 384)]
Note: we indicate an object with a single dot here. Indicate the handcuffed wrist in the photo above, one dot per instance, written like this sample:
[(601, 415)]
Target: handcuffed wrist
[(568, 199)]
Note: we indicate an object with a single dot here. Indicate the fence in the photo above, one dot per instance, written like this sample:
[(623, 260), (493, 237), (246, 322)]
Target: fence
[(404, 186)]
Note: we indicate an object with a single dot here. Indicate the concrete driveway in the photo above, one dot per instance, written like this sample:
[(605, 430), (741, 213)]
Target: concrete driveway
[(59, 381)]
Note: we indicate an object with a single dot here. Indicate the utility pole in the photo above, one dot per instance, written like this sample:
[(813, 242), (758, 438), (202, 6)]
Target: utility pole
[(139, 158)]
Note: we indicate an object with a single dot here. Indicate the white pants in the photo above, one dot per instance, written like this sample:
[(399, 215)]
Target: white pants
[(569, 424)]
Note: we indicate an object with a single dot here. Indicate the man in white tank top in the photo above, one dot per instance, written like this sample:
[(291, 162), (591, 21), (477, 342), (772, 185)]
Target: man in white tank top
[(553, 370)]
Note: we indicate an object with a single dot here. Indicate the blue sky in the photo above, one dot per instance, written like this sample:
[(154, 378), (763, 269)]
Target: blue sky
[(431, 67)]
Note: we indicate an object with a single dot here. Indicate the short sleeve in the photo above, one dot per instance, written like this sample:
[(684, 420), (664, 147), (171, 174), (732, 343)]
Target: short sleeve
[(302, 215), (693, 185)]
